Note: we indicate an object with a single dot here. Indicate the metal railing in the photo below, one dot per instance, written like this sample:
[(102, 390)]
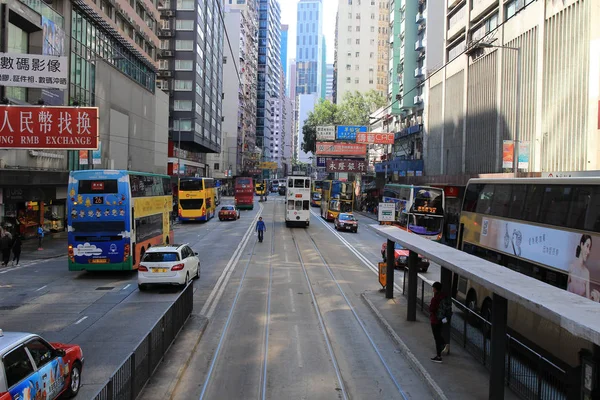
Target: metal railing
[(529, 375), (129, 379)]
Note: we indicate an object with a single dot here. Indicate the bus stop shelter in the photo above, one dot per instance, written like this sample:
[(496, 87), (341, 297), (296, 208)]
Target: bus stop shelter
[(576, 314)]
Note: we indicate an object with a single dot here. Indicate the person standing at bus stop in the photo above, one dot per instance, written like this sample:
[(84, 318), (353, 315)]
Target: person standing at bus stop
[(260, 228), (440, 310)]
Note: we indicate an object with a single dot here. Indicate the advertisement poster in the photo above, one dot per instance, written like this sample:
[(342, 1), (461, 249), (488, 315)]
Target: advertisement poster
[(45, 384), (53, 44), (58, 128), (523, 155), (507, 154), (83, 157), (97, 155), (573, 253)]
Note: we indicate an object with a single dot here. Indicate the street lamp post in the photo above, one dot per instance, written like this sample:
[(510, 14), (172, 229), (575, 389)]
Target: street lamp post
[(482, 45)]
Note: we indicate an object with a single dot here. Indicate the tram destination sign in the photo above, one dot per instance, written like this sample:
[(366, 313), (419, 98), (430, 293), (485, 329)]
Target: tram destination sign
[(40, 127)]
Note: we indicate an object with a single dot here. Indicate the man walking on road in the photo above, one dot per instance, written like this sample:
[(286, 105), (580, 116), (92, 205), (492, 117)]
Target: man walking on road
[(260, 228), (440, 310)]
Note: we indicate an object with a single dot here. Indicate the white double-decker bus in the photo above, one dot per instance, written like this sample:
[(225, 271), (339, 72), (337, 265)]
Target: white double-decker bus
[(297, 201)]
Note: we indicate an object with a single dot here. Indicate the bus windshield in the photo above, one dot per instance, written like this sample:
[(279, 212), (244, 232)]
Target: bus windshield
[(425, 224), (190, 184), (243, 181), (318, 185)]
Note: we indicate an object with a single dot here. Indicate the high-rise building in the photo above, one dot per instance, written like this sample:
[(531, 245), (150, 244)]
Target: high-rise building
[(362, 46), (191, 70), (289, 134), (329, 83), (238, 138), (284, 54), (269, 74), (309, 47), (547, 102), (292, 80)]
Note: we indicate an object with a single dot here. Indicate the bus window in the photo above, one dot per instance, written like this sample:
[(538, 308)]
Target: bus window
[(307, 184), (555, 205), (391, 194), (299, 183), (471, 197), (532, 204), (517, 201), (346, 207), (484, 202), (98, 186), (306, 204), (501, 201), (290, 205), (298, 205)]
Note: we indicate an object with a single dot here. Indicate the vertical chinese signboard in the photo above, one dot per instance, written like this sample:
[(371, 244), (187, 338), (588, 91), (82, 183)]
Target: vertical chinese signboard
[(58, 128)]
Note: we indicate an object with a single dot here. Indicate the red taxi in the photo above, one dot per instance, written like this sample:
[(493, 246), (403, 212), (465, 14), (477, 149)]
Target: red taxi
[(32, 368), (228, 212), (401, 255), (345, 221)]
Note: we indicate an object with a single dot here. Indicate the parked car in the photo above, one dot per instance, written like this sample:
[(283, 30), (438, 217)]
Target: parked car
[(173, 264), (229, 212), (346, 221), (401, 255), (32, 368)]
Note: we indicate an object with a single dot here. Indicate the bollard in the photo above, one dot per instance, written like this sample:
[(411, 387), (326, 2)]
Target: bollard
[(413, 269), (498, 347), (391, 261)]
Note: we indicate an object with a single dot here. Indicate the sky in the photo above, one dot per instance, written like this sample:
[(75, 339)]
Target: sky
[(288, 16)]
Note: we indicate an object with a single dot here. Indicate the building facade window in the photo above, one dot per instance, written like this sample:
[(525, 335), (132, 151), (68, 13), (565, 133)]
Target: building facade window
[(184, 45), (182, 124), (185, 25), (182, 105), (184, 65), (183, 85), (185, 5)]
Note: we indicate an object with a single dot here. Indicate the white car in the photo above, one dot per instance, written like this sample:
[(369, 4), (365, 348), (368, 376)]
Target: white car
[(173, 264)]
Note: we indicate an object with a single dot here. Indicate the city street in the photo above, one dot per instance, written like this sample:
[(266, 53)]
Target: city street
[(290, 322)]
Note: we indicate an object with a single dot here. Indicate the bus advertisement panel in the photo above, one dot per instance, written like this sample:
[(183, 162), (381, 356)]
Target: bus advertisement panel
[(114, 216), (197, 199), (244, 193), (316, 193)]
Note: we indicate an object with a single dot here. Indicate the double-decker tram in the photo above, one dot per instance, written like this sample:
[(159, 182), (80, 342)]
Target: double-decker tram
[(419, 209), (197, 199), (114, 216), (297, 198), (548, 229), (337, 196)]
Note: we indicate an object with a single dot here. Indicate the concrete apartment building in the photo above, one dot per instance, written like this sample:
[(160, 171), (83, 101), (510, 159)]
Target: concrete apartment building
[(473, 101), (111, 47), (269, 74), (361, 46), (238, 136), (191, 71)]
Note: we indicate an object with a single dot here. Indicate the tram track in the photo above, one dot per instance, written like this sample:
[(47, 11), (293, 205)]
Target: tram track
[(357, 318)]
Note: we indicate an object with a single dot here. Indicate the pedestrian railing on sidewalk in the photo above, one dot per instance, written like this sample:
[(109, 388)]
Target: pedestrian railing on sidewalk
[(530, 375), (129, 379)]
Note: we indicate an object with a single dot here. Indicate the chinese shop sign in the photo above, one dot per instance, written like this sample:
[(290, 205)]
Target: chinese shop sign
[(346, 165), (33, 70), (340, 149), (375, 138)]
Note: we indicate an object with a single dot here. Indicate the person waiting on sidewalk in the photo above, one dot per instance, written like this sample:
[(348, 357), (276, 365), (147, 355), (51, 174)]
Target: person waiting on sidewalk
[(440, 311), (16, 250), (260, 228), (5, 242), (40, 233)]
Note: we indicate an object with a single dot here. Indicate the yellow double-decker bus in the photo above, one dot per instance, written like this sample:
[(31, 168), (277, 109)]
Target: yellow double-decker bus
[(260, 188), (197, 199), (336, 197)]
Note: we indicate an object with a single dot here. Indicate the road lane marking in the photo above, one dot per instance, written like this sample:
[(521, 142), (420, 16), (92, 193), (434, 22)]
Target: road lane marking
[(298, 351), (268, 311), (217, 292), (126, 286), (292, 300), (80, 320), (42, 288)]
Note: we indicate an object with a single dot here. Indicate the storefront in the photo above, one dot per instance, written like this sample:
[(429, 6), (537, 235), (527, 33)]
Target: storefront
[(23, 209)]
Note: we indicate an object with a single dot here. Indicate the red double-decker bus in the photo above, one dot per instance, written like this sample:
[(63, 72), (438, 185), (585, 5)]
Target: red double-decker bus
[(244, 193)]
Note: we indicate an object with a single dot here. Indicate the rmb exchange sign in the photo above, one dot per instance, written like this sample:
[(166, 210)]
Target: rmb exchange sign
[(33, 70), (340, 149), (374, 138), (36, 127), (346, 165)]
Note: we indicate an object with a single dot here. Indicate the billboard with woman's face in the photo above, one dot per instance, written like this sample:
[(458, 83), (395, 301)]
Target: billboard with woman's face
[(572, 253)]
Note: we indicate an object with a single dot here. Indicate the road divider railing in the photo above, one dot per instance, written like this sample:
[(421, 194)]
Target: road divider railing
[(529, 374), (127, 382)]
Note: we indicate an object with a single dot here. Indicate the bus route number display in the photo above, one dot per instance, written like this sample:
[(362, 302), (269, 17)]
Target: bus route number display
[(98, 200), (426, 209)]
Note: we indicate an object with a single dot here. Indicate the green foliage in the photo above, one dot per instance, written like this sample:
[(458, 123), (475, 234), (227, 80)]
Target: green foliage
[(354, 110)]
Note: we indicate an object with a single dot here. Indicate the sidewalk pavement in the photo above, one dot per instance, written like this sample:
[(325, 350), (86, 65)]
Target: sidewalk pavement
[(367, 214), (54, 245), (460, 376)]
